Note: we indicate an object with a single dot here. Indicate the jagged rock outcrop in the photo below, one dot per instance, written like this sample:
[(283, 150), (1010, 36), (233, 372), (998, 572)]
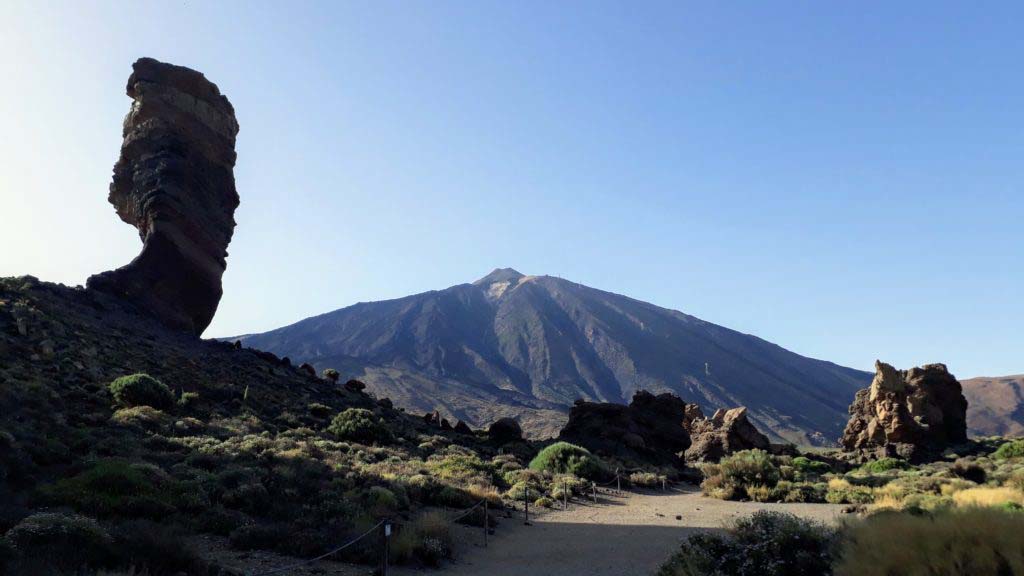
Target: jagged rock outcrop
[(727, 431), (905, 412), (174, 181), (649, 430)]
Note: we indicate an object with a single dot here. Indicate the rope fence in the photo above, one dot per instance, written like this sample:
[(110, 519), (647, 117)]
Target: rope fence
[(384, 527)]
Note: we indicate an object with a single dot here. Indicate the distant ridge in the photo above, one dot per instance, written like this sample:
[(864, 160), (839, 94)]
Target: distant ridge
[(528, 346)]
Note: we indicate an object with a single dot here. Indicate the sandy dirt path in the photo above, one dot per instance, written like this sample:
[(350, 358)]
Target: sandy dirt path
[(631, 534), (627, 534)]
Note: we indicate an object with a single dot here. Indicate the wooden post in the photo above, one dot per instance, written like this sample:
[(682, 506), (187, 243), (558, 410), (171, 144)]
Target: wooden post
[(386, 533), (593, 487), (565, 495), (662, 484), (618, 482), (526, 505), (486, 523)]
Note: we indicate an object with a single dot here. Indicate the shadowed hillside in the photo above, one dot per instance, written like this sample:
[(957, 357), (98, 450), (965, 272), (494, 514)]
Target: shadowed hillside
[(995, 405)]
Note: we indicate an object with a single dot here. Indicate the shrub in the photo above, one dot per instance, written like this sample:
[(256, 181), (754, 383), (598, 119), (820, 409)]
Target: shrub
[(117, 488), (842, 492), (807, 468), (565, 458), (141, 390), (145, 417), (188, 399), (543, 502), (647, 479), (952, 543), (65, 541), (1011, 449), (155, 548), (360, 425), (760, 493), (331, 374), (749, 467), (318, 410), (427, 540), (258, 536), (988, 496), (884, 465), (380, 500), (733, 475), (764, 544)]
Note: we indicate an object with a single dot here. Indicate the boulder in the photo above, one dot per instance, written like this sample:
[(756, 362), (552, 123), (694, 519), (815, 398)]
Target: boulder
[(907, 413), (308, 369), (463, 428), (505, 430), (650, 430), (355, 386), (726, 432), (174, 182)]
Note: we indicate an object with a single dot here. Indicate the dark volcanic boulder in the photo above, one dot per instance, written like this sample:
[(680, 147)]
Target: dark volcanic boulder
[(505, 430), (463, 428), (649, 430), (174, 181), (907, 412), (726, 432)]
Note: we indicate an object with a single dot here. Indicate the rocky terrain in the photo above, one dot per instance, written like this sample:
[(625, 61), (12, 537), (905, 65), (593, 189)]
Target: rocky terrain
[(530, 346), (906, 412), (995, 406)]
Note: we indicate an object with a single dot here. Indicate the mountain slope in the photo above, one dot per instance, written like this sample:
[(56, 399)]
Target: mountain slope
[(531, 345), (995, 406)]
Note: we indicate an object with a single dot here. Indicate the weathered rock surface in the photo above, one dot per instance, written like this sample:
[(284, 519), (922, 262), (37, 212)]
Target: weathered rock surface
[(906, 411), (174, 181), (726, 432), (650, 429), (505, 430)]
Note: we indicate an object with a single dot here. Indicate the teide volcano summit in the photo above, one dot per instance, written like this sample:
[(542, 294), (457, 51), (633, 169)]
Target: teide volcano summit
[(528, 346)]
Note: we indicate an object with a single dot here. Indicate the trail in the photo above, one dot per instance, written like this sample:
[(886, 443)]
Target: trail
[(622, 535)]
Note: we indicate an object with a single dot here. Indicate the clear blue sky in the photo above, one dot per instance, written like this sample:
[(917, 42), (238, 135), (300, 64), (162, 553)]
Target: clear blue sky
[(843, 179)]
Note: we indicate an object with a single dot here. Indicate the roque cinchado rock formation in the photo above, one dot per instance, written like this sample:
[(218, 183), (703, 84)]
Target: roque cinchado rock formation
[(174, 181), (904, 411), (726, 432)]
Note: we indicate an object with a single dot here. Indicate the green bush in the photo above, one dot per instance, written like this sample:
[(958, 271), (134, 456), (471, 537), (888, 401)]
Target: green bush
[(141, 390), (565, 458), (731, 477), (807, 468), (118, 488), (764, 544), (61, 541), (360, 425), (884, 465), (1011, 449), (963, 542)]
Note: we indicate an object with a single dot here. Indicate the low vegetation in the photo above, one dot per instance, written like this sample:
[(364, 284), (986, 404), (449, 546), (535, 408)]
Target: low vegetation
[(566, 458), (992, 474), (955, 542)]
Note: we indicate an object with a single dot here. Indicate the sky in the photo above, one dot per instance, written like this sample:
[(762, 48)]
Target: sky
[(843, 179)]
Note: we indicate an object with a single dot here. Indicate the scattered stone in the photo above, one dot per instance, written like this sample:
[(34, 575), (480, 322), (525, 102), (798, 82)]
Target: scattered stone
[(174, 181), (726, 432)]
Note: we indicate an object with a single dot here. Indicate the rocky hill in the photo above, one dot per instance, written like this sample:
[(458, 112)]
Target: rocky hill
[(995, 405), (529, 346)]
